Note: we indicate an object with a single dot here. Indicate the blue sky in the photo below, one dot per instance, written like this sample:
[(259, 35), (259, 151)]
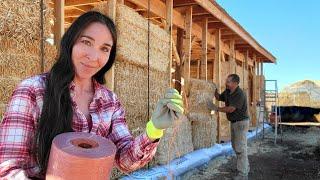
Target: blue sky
[(289, 29)]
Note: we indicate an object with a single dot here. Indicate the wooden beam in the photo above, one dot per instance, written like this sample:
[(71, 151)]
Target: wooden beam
[(217, 76), (216, 25), (110, 74), (182, 3), (215, 9), (69, 3), (198, 69), (230, 37), (159, 8), (73, 13), (188, 46), (204, 46), (180, 52), (169, 16), (59, 22)]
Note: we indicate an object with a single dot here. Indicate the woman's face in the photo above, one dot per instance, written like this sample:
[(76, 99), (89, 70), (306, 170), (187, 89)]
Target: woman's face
[(91, 50)]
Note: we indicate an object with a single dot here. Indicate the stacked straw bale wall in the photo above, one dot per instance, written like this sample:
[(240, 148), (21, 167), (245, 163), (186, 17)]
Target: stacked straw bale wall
[(131, 79), (204, 126), (20, 42)]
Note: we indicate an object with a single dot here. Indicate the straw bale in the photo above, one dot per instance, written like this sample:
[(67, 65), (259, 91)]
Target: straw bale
[(19, 65), (32, 47), (50, 54), (7, 86), (13, 63), (200, 116), (200, 92), (132, 31), (176, 142), (204, 133), (131, 88), (20, 19), (298, 99), (225, 127), (2, 110)]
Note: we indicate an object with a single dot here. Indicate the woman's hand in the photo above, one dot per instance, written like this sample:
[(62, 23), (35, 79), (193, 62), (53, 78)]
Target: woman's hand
[(167, 110)]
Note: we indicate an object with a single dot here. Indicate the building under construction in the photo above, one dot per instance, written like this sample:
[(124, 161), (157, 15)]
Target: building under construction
[(192, 45)]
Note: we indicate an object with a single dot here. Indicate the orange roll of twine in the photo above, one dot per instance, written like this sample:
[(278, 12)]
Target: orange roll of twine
[(79, 155)]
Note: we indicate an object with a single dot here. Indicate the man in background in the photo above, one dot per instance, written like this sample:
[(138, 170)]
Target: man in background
[(237, 113)]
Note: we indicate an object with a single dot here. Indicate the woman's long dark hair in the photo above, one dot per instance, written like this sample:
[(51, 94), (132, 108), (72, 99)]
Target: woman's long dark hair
[(57, 113)]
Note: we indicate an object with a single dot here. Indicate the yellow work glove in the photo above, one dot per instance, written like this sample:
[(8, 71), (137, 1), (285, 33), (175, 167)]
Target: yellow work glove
[(167, 110)]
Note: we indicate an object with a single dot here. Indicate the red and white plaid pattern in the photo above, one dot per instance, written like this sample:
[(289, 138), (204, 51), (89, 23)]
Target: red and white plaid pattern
[(19, 124)]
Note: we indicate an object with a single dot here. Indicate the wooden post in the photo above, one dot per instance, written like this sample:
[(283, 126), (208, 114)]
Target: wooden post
[(180, 52), (232, 57), (258, 80), (204, 55), (245, 67), (254, 100), (246, 86), (262, 79), (243, 75), (59, 22), (217, 76), (187, 46), (110, 74), (199, 69), (169, 6)]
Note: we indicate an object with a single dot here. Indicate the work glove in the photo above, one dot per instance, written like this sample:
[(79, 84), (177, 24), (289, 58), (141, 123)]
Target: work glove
[(211, 106), (167, 110)]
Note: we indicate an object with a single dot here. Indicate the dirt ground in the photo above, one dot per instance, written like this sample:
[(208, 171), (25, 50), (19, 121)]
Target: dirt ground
[(297, 157)]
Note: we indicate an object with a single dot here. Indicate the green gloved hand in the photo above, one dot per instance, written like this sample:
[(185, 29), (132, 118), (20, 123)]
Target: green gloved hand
[(167, 110)]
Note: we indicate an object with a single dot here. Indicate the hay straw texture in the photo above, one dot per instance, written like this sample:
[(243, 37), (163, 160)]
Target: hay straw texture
[(204, 127), (204, 133), (200, 92), (302, 93), (131, 88), (298, 99), (22, 65), (2, 110), (7, 86), (20, 37), (176, 142), (225, 127), (20, 20), (132, 31)]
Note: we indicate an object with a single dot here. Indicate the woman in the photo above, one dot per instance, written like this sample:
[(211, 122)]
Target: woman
[(71, 97)]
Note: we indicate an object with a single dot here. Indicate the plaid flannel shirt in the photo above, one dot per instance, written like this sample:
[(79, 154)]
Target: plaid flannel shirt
[(19, 124)]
